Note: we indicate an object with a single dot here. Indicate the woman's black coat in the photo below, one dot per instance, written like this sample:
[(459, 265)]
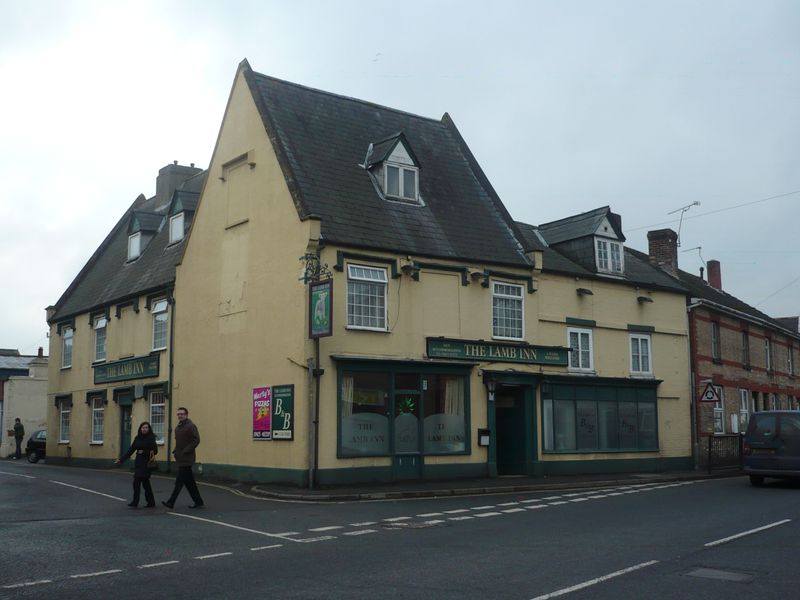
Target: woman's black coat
[(142, 445)]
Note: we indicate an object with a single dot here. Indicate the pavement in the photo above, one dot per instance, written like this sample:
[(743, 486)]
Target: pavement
[(466, 487)]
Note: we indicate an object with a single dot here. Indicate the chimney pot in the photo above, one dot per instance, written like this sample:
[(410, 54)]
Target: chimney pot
[(714, 274), (41, 352), (174, 162)]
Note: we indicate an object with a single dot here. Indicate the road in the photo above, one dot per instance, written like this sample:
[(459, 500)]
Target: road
[(67, 533)]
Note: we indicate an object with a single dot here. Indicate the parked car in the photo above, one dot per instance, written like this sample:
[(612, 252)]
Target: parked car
[(35, 450), (772, 445)]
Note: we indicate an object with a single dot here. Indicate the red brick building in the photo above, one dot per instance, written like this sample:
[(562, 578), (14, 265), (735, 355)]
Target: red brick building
[(749, 358)]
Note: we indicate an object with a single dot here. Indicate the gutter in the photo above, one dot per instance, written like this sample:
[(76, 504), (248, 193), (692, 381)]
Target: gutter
[(695, 302)]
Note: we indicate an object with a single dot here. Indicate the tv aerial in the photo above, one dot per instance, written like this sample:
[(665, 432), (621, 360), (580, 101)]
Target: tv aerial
[(683, 210)]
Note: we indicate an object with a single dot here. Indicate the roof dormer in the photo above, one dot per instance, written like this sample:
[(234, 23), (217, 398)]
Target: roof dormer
[(142, 228), (608, 246), (394, 168), (180, 213)]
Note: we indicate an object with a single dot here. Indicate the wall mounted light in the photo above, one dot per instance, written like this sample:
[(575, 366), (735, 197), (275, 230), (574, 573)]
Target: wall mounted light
[(643, 299), (491, 385), (584, 292), (412, 269)]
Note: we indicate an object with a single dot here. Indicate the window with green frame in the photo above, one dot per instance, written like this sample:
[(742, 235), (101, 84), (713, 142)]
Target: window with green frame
[(587, 418), (400, 410)]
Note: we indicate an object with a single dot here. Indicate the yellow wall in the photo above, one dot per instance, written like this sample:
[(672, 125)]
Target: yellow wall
[(130, 335)]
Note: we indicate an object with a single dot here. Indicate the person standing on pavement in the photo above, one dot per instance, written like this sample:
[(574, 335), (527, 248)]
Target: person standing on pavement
[(145, 447), (19, 434), (187, 438)]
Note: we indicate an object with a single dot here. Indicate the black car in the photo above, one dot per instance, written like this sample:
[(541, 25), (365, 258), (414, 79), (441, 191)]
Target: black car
[(35, 450)]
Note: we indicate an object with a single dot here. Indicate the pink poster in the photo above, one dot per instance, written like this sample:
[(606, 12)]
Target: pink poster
[(262, 425)]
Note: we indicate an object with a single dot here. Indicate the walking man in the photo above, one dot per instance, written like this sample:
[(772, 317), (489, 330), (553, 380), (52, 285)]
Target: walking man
[(19, 433), (187, 439)]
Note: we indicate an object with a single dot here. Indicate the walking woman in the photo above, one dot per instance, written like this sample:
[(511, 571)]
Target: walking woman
[(145, 447)]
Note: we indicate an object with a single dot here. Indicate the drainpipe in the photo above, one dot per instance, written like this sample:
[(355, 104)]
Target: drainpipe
[(169, 383), (317, 373)]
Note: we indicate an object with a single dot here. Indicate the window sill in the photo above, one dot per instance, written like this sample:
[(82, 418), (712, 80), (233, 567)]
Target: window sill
[(600, 451), (98, 362), (158, 349), (582, 372), (63, 443), (508, 339), (354, 328), (66, 368), (95, 443), (635, 375)]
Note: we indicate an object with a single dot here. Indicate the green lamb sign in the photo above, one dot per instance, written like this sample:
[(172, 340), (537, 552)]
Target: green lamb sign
[(496, 352), (130, 368)]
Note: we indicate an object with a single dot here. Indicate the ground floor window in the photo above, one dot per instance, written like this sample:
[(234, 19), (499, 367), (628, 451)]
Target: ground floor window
[(65, 412), (399, 412), (719, 411), (98, 419), (157, 414), (585, 418)]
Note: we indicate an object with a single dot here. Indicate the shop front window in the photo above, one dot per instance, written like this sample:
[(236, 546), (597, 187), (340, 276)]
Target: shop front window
[(384, 413), (592, 419)]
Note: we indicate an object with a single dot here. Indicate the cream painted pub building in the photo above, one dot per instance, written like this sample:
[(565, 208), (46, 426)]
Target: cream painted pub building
[(111, 330), (454, 341)]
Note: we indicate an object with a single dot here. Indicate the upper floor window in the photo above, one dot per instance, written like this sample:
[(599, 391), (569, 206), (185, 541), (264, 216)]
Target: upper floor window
[(401, 181), (134, 245), (745, 349), (790, 358), (641, 362), (609, 256), (507, 311), (100, 324), (176, 228), (715, 345), (66, 347), (366, 297), (160, 324), (580, 344), (768, 353)]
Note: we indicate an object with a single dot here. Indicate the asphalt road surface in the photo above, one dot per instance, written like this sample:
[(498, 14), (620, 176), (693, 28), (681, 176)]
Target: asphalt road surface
[(67, 533)]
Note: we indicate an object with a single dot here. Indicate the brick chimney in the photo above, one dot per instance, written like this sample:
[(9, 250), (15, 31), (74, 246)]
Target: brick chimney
[(714, 274), (663, 249), (170, 177)]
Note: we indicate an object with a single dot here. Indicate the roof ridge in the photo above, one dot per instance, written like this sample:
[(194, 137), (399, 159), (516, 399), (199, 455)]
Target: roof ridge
[(344, 97), (574, 217)]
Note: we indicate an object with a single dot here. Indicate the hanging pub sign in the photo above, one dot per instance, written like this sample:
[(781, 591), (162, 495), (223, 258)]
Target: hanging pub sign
[(320, 309), (262, 413), (283, 412)]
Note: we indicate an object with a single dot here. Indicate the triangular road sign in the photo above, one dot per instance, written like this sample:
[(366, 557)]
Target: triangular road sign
[(710, 394)]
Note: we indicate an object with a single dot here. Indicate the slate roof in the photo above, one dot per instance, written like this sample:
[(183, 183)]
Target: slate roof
[(638, 270), (790, 323), (148, 221), (578, 226), (12, 365), (321, 140), (699, 288), (108, 278)]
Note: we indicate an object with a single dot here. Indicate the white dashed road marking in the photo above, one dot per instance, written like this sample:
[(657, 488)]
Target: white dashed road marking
[(394, 519), (434, 514), (591, 582), (361, 532), (364, 524), (159, 564), (321, 538), (87, 490), (329, 528), (207, 556), (489, 514), (744, 533), (247, 529), (26, 477), (27, 584), (82, 575), (266, 547), (457, 511)]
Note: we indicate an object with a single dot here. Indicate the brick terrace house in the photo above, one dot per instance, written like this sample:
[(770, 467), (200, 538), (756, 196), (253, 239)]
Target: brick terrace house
[(748, 357)]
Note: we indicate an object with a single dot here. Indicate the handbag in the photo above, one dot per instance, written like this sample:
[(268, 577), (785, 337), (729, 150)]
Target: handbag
[(152, 463)]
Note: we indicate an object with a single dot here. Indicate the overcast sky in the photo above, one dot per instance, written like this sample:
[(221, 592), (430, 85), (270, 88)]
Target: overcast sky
[(568, 106)]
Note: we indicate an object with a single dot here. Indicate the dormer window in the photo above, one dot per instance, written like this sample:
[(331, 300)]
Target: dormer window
[(401, 181), (609, 256), (176, 228), (394, 169), (134, 245)]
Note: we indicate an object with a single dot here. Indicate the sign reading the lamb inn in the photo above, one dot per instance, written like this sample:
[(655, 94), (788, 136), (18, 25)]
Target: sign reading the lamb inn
[(130, 368), (496, 352)]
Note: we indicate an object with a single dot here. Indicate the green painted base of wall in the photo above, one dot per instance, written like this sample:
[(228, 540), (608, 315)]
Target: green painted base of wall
[(594, 467), (98, 463), (295, 477)]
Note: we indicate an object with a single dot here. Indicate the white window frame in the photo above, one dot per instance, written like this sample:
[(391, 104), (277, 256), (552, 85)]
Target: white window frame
[(176, 232), (401, 180), (744, 408), (716, 343), (64, 416), (100, 351), (604, 256), (503, 296), (639, 338), (768, 353), (158, 399), (98, 415), (719, 411), (580, 333), (160, 310), (381, 282), (134, 245), (67, 345)]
